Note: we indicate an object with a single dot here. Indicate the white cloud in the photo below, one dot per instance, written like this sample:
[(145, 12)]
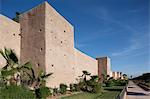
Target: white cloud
[(137, 43)]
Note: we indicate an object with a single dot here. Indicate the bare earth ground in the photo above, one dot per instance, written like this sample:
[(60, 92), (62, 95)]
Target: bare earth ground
[(135, 92)]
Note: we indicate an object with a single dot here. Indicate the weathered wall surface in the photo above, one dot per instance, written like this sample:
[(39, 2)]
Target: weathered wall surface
[(84, 62), (33, 37), (9, 36), (59, 48)]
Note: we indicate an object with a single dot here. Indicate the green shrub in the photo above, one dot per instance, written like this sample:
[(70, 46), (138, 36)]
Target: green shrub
[(97, 88), (94, 87), (2, 83), (63, 88), (120, 82), (72, 87), (109, 83), (42, 92), (113, 82), (55, 91), (83, 86), (16, 92), (76, 87)]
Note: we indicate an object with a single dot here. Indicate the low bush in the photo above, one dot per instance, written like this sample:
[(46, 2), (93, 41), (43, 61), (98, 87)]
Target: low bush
[(94, 87), (63, 88), (16, 92), (120, 82), (82, 86), (55, 91), (109, 83), (97, 88), (113, 82), (42, 92), (76, 87), (72, 87)]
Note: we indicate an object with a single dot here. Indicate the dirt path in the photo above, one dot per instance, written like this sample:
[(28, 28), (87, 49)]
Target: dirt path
[(135, 92)]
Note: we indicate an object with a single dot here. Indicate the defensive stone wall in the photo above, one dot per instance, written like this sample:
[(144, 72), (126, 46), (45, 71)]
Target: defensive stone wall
[(84, 62), (9, 36), (46, 39)]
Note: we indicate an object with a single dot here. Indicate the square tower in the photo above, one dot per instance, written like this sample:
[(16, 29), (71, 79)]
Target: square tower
[(104, 67), (48, 42)]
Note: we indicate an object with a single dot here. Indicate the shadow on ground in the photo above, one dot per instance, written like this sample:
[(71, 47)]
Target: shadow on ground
[(136, 93), (130, 87)]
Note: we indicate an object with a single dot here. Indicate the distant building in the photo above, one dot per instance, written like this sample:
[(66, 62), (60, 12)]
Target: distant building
[(117, 75), (104, 67)]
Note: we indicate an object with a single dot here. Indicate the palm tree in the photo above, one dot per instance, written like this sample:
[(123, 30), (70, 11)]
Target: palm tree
[(94, 78), (11, 61), (10, 57), (85, 74), (41, 79), (11, 71), (125, 76), (14, 72), (105, 77)]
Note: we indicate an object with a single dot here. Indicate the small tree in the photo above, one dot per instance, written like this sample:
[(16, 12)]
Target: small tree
[(125, 76), (11, 72), (63, 88), (83, 84), (85, 74), (94, 86), (13, 67)]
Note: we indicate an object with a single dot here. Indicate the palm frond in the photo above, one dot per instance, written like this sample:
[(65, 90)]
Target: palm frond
[(13, 56), (8, 72), (27, 65), (3, 54), (33, 74), (46, 75), (7, 53)]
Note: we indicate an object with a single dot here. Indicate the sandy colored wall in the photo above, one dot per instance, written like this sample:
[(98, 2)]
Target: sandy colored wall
[(84, 62), (59, 48), (9, 36)]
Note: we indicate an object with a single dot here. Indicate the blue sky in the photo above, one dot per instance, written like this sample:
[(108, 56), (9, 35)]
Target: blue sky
[(114, 28)]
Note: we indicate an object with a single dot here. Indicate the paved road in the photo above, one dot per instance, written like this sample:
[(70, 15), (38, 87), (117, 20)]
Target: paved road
[(135, 92)]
